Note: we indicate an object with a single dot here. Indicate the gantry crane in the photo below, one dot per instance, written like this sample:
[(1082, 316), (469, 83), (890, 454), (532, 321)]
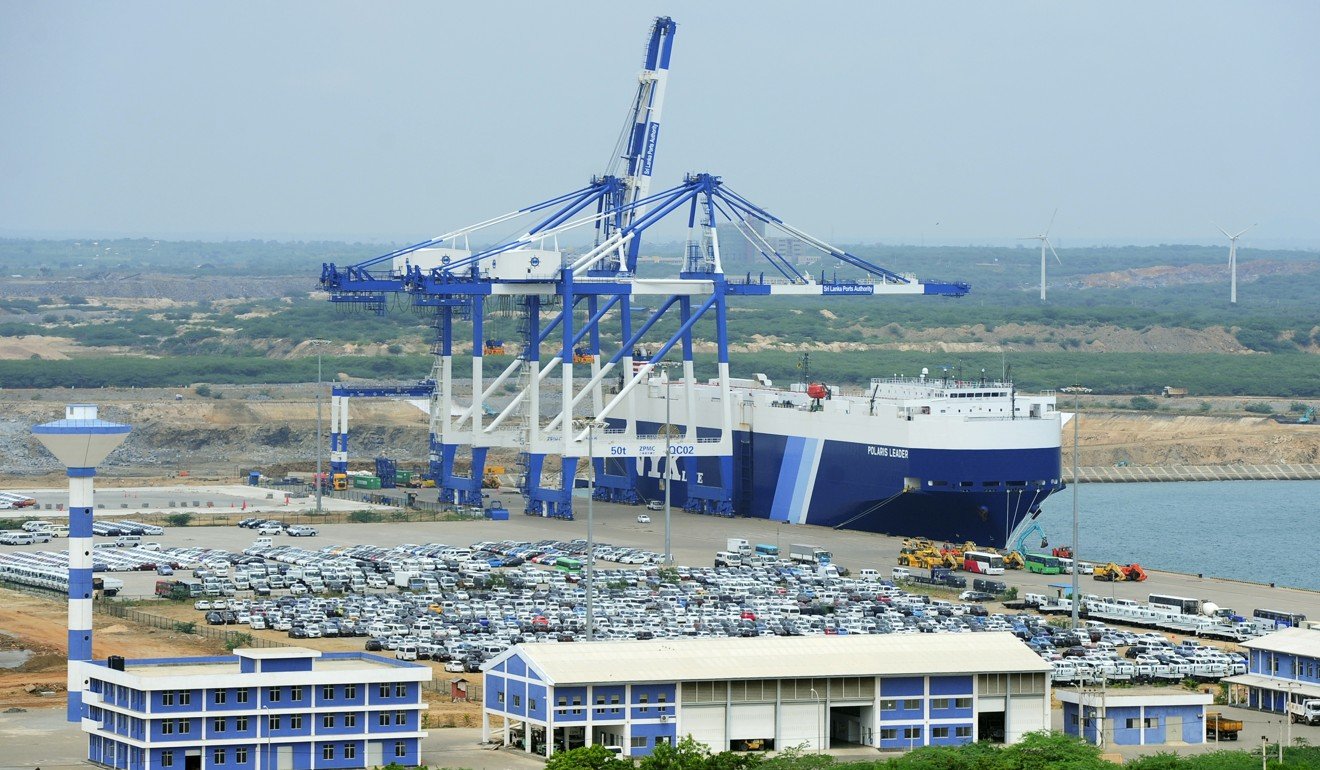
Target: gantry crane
[(563, 302)]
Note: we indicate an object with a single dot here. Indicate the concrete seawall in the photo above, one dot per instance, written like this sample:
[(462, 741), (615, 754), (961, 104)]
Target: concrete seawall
[(1112, 474)]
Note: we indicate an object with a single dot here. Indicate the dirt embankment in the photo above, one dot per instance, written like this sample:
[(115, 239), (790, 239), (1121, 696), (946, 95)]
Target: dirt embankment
[(275, 430), (1158, 439)]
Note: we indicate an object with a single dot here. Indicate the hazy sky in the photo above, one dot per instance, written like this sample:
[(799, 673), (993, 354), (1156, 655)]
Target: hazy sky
[(1141, 122)]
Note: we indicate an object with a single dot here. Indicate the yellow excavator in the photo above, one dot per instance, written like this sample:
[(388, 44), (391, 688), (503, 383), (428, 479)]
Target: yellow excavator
[(1112, 572), (1014, 560)]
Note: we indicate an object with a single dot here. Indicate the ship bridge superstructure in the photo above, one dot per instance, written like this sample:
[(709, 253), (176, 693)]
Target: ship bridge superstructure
[(592, 335)]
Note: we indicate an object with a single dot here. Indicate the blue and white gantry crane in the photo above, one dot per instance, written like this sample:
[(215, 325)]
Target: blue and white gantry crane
[(593, 308)]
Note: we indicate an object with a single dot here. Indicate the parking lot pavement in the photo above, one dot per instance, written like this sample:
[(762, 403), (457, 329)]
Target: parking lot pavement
[(42, 738)]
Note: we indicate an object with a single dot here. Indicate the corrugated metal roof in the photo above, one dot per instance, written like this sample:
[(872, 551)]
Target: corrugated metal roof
[(1293, 641), (779, 657), (1298, 689)]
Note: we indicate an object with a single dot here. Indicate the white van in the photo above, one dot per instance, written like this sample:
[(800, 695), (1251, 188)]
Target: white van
[(728, 559), (900, 573), (263, 542), (128, 541), (870, 575)]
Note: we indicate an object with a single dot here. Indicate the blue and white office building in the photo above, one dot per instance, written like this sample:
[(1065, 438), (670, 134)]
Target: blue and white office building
[(888, 691), (1281, 667), (287, 708)]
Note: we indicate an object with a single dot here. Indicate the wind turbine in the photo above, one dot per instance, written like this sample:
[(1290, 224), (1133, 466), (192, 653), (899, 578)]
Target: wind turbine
[(1232, 260), (1044, 239)]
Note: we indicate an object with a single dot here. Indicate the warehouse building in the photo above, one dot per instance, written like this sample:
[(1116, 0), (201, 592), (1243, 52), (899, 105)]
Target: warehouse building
[(888, 691), (286, 708), (1141, 717), (1281, 667)]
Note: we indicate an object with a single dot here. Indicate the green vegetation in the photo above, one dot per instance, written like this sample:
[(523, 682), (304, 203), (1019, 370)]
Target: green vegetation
[(251, 307), (179, 519), (186, 628), (364, 517), (1036, 751)]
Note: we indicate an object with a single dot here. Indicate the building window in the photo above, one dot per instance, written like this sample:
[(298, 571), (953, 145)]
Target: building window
[(639, 742), (167, 698), (295, 693), (531, 704), (911, 733), (350, 691), (1152, 721), (1130, 723), (328, 720), (400, 749), (350, 751), (218, 756), (185, 726), (888, 704), (939, 732), (517, 701), (400, 690), (167, 727), (614, 700), (962, 732), (217, 725), (661, 698), (499, 697), (643, 698), (888, 734), (167, 759), (185, 697), (400, 717), (327, 692), (241, 696), (295, 722), (384, 691), (1072, 718), (328, 751), (273, 694), (563, 700), (241, 724), (219, 696), (350, 720), (383, 718), (939, 703), (273, 722), (240, 755), (911, 704), (962, 703)]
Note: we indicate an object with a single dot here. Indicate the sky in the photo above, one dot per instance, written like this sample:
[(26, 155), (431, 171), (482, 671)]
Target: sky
[(860, 121)]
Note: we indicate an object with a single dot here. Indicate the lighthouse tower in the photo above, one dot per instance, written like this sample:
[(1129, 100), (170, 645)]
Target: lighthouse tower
[(81, 442)]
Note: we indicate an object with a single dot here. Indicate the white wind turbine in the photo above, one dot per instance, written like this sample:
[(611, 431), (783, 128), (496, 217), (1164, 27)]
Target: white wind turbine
[(1044, 239), (1232, 260)]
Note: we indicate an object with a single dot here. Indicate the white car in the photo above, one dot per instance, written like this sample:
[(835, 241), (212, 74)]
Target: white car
[(642, 518), (270, 529), (1085, 568), (655, 505)]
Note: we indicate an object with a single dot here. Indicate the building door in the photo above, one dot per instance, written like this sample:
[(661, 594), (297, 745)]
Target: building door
[(375, 753), (1173, 729), (193, 761), (283, 758)]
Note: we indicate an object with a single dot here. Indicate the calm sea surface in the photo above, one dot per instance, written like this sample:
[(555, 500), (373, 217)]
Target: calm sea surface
[(1263, 531)]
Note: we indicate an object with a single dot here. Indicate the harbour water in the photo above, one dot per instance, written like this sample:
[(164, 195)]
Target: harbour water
[(1261, 531)]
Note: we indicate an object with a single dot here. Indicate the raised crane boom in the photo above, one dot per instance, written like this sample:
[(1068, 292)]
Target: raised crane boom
[(642, 133)]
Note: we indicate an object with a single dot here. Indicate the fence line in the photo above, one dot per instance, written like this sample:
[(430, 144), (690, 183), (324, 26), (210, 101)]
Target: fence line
[(229, 638)]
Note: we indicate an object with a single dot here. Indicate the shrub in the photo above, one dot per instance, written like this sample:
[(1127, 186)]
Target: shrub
[(179, 519), (364, 517), (186, 628), (233, 641), (1144, 404), (203, 390), (1259, 407), (1297, 407)]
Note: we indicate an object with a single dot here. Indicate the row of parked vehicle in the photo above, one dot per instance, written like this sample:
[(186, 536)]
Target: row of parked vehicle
[(447, 611), (274, 527)]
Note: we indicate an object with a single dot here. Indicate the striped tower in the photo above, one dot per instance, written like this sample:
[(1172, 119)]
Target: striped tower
[(81, 442)]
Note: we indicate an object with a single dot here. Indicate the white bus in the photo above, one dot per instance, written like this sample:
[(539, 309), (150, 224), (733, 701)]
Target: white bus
[(983, 563)]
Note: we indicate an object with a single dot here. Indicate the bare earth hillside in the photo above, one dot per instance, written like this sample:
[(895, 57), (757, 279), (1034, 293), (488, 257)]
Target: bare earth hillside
[(274, 428)]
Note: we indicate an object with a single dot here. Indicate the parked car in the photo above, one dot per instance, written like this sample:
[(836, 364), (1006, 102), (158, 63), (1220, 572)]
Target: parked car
[(301, 530), (642, 518)]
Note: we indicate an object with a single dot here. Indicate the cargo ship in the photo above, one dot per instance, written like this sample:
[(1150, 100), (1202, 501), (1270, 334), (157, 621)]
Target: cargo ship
[(948, 459)]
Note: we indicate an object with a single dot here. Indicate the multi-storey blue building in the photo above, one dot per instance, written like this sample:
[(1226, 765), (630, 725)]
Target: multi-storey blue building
[(1281, 667), (890, 692), (286, 708)]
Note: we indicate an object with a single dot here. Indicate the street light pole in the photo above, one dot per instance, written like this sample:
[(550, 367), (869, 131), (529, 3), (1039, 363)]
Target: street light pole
[(318, 344), (591, 539), (1077, 391), (669, 476)]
